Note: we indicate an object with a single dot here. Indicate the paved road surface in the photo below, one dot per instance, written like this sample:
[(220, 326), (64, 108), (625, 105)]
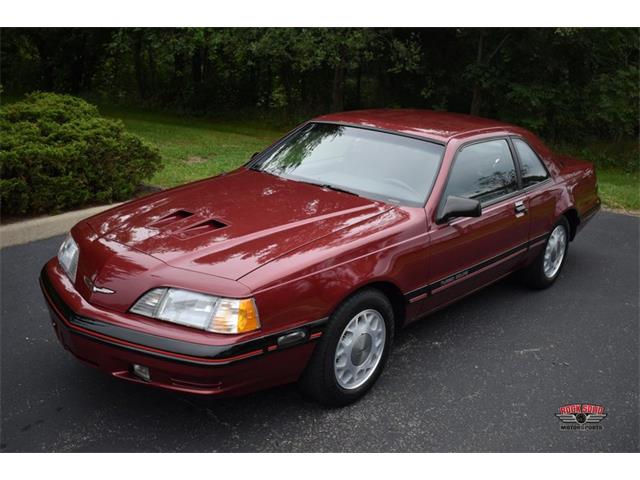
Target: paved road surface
[(487, 374)]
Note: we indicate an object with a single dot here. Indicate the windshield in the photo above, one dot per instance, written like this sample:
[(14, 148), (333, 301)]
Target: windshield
[(373, 164)]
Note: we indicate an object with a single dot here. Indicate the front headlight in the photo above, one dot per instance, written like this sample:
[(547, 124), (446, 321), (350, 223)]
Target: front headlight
[(197, 310), (68, 257)]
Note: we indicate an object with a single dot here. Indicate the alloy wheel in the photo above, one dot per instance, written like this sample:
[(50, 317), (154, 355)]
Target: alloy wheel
[(359, 349), (554, 251)]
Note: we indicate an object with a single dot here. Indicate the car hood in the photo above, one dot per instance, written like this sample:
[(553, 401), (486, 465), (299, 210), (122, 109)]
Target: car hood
[(232, 224)]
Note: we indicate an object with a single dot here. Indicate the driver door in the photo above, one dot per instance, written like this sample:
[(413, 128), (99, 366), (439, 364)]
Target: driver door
[(468, 253)]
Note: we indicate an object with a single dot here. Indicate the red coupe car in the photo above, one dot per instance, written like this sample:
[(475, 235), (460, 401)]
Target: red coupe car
[(303, 264)]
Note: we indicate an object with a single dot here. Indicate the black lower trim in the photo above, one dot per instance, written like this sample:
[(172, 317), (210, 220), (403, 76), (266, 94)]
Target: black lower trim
[(168, 345), (428, 289), (588, 215)]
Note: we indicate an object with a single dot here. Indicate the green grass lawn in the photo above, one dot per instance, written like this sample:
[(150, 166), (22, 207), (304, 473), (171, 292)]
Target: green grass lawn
[(619, 189), (617, 167), (194, 148)]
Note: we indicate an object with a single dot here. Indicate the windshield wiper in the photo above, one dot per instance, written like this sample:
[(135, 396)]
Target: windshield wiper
[(336, 189), (328, 186)]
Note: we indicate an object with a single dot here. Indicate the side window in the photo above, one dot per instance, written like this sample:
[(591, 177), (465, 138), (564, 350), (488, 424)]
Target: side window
[(483, 171), (532, 169)]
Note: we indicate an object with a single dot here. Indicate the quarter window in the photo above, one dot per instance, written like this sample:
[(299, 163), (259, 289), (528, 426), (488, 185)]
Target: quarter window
[(531, 167), (483, 171)]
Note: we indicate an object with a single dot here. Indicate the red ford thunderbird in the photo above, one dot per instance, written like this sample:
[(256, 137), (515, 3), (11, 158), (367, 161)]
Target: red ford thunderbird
[(303, 264)]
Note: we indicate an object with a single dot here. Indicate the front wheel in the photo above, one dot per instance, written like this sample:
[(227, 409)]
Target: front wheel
[(352, 353), (545, 269)]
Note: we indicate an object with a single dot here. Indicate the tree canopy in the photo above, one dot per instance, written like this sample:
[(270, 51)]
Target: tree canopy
[(564, 83)]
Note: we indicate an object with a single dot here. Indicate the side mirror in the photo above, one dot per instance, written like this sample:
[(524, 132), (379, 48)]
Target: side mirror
[(458, 207), (254, 155)]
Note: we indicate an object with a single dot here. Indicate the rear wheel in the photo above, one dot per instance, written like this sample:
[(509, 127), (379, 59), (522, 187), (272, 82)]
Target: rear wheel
[(352, 353), (545, 269)]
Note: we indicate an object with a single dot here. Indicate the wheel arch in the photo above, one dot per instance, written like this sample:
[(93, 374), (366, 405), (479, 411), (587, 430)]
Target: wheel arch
[(572, 217), (391, 291)]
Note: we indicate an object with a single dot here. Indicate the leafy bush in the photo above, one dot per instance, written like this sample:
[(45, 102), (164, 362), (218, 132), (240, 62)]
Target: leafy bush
[(56, 153)]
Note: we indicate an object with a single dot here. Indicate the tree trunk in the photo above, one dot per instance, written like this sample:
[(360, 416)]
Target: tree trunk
[(337, 98), (483, 60), (476, 100), (138, 64), (287, 81), (178, 68), (151, 77), (196, 65), (359, 85), (77, 70), (304, 96), (269, 88), (207, 65), (46, 64)]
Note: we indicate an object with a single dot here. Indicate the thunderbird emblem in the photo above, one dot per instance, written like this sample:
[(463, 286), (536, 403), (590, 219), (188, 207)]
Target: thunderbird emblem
[(95, 289)]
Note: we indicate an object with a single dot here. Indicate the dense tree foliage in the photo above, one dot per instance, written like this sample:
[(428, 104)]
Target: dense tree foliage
[(564, 83), (56, 152)]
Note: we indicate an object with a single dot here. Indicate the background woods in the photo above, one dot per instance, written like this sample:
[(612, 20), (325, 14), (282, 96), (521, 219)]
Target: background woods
[(564, 83), (187, 103)]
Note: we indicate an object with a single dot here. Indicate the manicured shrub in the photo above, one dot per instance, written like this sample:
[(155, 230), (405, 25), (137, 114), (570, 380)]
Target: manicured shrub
[(57, 153)]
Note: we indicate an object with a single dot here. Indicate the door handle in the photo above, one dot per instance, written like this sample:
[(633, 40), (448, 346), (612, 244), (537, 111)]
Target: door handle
[(519, 208)]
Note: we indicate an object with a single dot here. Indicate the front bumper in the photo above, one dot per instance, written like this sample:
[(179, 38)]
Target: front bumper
[(175, 364)]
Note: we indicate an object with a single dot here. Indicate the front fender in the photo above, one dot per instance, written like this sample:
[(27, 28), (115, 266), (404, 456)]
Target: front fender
[(312, 281)]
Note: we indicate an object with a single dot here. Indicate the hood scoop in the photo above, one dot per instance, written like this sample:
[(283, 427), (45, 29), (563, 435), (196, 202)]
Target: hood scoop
[(177, 218), (173, 217), (201, 228)]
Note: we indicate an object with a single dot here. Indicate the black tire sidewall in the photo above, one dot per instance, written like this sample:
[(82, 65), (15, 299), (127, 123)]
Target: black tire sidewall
[(368, 299)]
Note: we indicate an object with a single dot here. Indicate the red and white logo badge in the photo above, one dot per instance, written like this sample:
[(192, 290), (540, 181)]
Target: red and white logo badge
[(581, 416)]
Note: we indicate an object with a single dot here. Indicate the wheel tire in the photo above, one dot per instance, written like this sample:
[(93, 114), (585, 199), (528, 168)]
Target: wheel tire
[(319, 381), (534, 275)]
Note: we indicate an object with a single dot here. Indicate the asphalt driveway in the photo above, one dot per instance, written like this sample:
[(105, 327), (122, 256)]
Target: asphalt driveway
[(487, 374)]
